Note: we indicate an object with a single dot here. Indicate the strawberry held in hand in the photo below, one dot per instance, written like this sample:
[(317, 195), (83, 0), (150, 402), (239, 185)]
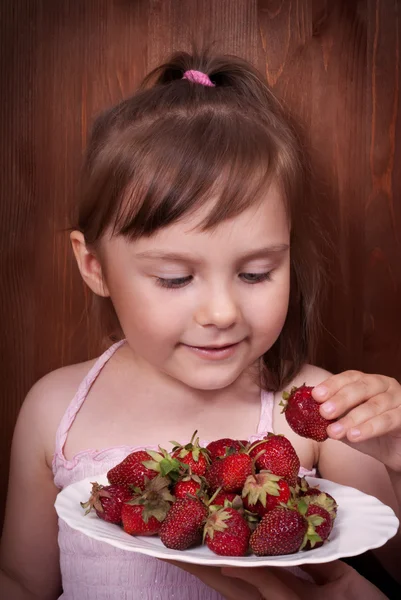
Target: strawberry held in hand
[(303, 415)]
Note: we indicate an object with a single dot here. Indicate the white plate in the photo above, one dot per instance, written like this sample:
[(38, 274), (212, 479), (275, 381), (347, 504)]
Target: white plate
[(362, 523)]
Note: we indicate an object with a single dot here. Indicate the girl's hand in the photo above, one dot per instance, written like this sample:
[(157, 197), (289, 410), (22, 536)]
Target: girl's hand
[(368, 409), (331, 580)]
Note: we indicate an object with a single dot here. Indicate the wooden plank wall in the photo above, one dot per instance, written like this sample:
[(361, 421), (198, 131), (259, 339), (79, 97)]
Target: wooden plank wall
[(336, 63)]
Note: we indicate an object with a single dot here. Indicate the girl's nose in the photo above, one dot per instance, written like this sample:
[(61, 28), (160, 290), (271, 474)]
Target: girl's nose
[(219, 308)]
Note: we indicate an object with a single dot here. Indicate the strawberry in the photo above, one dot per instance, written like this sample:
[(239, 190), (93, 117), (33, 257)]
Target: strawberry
[(227, 533), (135, 521), (319, 520), (281, 531), (183, 525), (189, 484), (223, 447), (143, 515), (279, 457), (264, 491), (132, 471), (193, 455), (326, 501), (229, 473), (303, 414), (222, 497), (107, 501), (301, 486)]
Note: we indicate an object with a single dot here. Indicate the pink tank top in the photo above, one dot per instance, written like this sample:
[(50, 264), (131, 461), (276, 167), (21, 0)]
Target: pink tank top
[(92, 570)]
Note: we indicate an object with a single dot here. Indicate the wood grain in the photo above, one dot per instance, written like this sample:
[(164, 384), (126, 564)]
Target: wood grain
[(335, 64)]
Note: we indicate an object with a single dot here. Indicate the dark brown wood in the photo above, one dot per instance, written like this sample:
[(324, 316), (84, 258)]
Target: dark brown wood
[(335, 64)]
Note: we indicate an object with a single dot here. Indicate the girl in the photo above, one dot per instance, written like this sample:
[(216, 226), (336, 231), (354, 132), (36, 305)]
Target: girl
[(192, 233)]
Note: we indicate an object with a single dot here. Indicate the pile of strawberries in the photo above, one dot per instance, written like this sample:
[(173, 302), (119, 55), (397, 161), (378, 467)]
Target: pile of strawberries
[(233, 496)]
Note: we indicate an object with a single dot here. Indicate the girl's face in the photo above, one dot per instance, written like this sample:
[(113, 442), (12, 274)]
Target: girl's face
[(201, 307)]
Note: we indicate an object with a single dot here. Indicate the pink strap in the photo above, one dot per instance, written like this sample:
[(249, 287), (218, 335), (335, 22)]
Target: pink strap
[(79, 398), (266, 412), (198, 77)]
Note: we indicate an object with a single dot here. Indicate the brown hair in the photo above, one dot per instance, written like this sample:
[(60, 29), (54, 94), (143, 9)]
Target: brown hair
[(161, 153)]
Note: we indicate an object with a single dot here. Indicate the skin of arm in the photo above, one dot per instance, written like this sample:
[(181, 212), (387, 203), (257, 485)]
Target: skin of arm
[(343, 463), (29, 548)]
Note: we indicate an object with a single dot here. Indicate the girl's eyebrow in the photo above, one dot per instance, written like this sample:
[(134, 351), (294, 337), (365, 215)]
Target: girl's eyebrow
[(186, 257)]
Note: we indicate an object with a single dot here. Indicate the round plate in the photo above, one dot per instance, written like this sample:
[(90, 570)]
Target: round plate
[(362, 523)]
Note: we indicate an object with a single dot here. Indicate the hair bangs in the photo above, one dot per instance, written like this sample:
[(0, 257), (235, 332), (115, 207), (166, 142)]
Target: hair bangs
[(179, 165)]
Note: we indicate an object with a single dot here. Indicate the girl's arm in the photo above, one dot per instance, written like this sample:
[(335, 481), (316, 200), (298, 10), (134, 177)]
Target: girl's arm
[(348, 466), (373, 465), (29, 549)]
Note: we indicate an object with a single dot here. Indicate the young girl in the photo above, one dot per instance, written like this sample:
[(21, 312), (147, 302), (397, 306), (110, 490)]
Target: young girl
[(192, 232)]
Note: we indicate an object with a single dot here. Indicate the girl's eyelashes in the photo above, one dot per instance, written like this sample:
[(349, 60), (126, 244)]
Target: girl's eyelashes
[(256, 277), (174, 283), (179, 282)]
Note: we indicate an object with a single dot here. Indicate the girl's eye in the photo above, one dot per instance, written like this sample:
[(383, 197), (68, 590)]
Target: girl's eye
[(255, 277), (178, 282)]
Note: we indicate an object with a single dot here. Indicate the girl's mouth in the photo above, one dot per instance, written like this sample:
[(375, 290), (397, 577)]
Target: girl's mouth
[(214, 352)]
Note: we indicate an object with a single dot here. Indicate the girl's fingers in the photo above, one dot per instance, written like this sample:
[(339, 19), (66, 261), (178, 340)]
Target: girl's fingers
[(333, 384), (270, 586), (327, 572), (366, 411), (351, 394), (383, 424)]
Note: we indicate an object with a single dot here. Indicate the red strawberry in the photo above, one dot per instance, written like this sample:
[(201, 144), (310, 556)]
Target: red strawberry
[(264, 491), (136, 523), (143, 464), (303, 415), (132, 471), (144, 514), (281, 531), (222, 497), (326, 501), (183, 525), (193, 455), (279, 457), (301, 486), (229, 473), (220, 448), (189, 484), (320, 522), (107, 501), (227, 533)]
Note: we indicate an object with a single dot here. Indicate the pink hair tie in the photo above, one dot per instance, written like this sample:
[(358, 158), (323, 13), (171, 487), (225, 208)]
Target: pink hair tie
[(198, 77)]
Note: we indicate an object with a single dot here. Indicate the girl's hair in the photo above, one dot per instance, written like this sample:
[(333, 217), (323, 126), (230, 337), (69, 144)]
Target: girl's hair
[(162, 153)]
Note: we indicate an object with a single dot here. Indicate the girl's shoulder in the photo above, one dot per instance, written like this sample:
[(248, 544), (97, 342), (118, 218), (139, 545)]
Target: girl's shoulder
[(49, 398), (311, 375)]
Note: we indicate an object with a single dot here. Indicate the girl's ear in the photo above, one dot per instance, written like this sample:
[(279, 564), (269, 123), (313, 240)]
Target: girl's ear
[(89, 265)]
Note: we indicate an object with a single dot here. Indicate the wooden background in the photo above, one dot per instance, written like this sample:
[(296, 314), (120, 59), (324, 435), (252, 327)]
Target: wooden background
[(335, 63)]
